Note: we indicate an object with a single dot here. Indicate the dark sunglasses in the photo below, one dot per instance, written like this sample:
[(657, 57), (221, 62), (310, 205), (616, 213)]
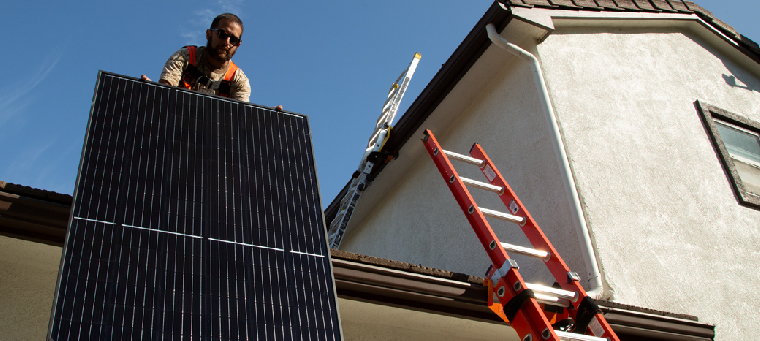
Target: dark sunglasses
[(223, 35)]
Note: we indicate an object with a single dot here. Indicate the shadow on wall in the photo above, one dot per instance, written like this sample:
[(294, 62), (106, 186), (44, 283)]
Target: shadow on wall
[(732, 81)]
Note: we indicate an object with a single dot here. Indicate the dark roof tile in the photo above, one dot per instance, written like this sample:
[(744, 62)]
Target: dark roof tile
[(645, 5), (694, 7), (541, 3), (609, 4), (35, 193), (725, 27), (519, 3), (679, 6), (662, 5), (587, 4), (564, 3), (627, 4)]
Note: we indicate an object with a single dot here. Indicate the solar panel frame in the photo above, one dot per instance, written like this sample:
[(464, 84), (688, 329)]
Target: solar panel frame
[(194, 216)]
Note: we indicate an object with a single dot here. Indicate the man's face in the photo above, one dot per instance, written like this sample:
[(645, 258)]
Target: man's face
[(221, 49)]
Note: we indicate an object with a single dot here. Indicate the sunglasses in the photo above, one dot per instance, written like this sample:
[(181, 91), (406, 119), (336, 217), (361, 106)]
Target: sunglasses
[(223, 35)]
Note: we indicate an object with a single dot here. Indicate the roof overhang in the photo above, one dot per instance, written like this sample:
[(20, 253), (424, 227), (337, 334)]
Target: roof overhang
[(376, 288)]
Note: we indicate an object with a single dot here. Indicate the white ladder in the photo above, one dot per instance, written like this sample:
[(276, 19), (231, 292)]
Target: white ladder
[(361, 179)]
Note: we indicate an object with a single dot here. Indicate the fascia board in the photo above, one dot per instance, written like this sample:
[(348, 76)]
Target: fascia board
[(550, 20)]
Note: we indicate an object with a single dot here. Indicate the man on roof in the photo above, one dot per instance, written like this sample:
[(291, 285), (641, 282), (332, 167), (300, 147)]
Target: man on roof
[(209, 68)]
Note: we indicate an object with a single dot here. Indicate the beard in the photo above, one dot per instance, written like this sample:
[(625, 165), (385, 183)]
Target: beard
[(220, 53)]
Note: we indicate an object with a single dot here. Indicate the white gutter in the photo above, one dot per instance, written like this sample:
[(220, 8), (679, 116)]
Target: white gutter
[(596, 288)]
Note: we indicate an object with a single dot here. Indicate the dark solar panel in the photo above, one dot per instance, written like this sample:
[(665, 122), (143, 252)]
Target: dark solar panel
[(194, 217)]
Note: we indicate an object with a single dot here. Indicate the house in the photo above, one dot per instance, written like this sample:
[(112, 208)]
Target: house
[(379, 299), (629, 129)]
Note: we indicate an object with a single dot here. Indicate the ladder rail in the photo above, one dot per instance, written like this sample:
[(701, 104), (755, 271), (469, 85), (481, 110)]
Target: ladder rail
[(508, 284), (537, 238), (529, 319)]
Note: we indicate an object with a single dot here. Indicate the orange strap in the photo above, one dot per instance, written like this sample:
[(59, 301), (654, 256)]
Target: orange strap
[(191, 49), (188, 75), (231, 72)]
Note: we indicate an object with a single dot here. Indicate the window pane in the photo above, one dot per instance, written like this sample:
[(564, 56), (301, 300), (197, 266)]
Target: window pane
[(739, 143)]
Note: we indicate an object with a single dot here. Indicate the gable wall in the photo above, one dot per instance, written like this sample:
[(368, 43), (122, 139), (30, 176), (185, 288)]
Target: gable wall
[(410, 215), (668, 229)]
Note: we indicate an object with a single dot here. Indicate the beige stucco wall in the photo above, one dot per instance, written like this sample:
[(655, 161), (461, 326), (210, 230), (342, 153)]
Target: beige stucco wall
[(669, 232), (410, 215), (28, 271)]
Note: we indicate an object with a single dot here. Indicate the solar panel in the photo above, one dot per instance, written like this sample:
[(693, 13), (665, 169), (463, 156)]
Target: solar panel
[(194, 217)]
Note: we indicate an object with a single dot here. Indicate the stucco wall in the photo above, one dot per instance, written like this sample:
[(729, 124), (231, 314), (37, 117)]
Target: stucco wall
[(410, 215), (28, 272), (669, 231)]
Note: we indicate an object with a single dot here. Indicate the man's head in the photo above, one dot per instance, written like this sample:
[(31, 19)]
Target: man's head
[(223, 38)]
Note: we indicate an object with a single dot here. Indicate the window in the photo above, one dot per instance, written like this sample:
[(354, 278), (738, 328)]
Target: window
[(737, 141)]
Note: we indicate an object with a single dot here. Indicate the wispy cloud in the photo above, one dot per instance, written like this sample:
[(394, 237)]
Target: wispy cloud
[(24, 167), (194, 30), (14, 99)]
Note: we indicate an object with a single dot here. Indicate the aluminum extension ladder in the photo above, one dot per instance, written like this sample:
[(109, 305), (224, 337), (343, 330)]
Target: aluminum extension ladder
[(361, 179), (521, 300)]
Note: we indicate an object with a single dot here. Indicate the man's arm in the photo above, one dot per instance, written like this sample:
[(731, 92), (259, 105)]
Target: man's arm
[(171, 74), (240, 88)]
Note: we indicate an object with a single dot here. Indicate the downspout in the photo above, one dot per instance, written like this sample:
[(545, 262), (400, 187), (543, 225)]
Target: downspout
[(596, 289)]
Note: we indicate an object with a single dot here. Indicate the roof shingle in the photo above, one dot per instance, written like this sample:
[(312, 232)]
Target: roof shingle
[(627, 4), (662, 5), (645, 5), (564, 3)]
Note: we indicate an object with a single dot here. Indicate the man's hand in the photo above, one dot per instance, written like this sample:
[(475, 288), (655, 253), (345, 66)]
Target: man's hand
[(162, 81), (278, 108)]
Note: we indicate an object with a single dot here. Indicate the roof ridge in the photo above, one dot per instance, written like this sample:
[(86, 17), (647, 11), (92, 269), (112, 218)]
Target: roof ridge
[(663, 6)]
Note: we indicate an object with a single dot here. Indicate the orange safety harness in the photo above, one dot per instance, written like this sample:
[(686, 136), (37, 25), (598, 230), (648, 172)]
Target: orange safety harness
[(192, 74)]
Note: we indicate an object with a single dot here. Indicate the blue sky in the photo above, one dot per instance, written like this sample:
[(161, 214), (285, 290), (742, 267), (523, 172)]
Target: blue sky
[(331, 60)]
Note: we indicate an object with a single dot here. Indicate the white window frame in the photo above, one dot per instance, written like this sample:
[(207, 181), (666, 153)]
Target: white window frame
[(710, 114)]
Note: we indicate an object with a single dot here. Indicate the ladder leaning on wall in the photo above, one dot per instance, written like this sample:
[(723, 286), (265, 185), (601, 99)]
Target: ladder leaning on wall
[(372, 155), (520, 300)]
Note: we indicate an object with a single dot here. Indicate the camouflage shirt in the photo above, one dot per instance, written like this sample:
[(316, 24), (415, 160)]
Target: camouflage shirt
[(240, 88)]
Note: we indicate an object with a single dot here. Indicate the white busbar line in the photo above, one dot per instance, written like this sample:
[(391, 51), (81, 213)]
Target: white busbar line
[(200, 237)]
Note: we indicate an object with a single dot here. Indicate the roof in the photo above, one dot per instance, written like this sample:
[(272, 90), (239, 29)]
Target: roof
[(500, 14), (42, 216), (33, 214)]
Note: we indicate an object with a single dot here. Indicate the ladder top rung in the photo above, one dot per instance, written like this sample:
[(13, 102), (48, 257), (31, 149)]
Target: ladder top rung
[(464, 158)]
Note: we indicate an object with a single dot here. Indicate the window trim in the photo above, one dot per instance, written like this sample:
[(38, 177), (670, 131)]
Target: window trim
[(709, 113)]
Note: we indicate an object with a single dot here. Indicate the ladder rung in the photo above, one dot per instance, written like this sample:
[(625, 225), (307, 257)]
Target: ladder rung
[(503, 216), (551, 300), (464, 158), (577, 337), (563, 294), (482, 185), (525, 251)]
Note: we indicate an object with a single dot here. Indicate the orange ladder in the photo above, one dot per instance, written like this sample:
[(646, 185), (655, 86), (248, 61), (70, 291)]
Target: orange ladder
[(520, 300)]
